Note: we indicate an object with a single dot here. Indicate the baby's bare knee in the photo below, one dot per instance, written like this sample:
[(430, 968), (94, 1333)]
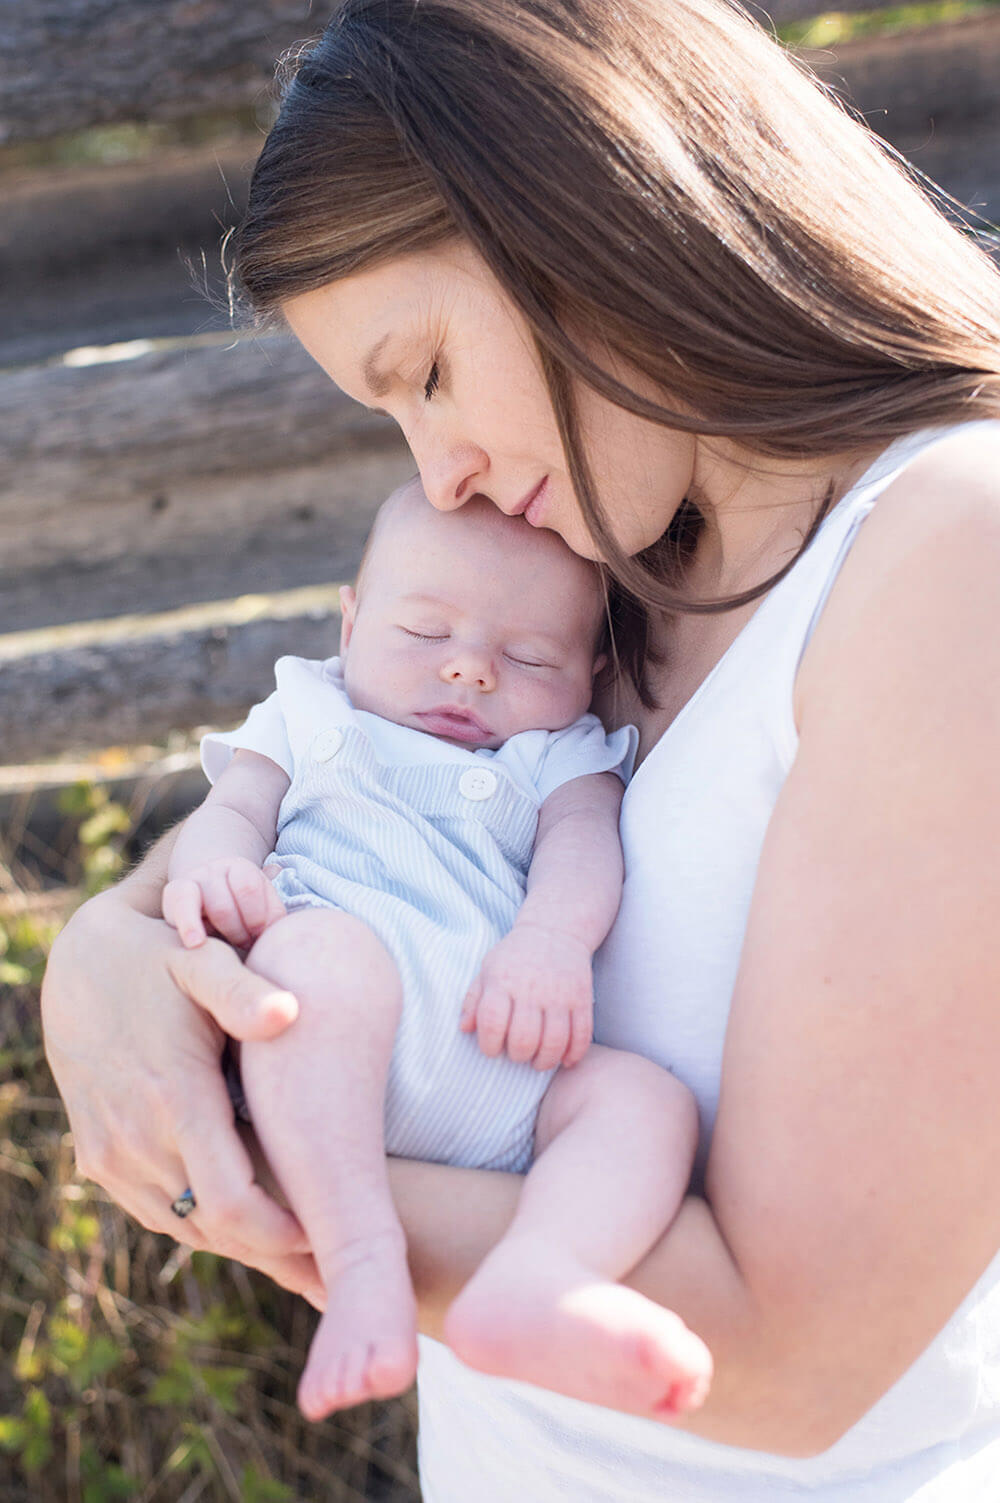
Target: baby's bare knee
[(630, 1091), (320, 952)]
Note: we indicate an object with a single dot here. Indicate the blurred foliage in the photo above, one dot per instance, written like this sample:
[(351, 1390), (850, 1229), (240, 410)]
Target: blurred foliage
[(834, 26), (133, 1369), (128, 141)]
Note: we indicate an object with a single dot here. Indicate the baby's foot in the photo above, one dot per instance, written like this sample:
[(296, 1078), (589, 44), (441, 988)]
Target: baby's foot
[(365, 1346), (535, 1314)]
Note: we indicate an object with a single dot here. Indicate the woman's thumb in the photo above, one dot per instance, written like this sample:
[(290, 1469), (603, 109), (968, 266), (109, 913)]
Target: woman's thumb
[(245, 1005)]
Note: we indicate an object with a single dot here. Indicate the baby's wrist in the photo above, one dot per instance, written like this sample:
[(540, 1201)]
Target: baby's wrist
[(565, 932)]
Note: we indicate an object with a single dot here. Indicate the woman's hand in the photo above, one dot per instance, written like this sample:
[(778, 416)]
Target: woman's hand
[(134, 1027)]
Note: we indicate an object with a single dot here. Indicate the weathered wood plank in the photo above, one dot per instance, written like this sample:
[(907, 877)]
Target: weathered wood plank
[(69, 64), (938, 77), (134, 681), (94, 254), (119, 427), (182, 474), (75, 63)]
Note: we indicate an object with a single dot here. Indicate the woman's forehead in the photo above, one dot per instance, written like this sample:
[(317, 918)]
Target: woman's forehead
[(359, 320)]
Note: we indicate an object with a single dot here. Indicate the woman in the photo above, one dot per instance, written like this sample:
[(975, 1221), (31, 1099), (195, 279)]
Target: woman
[(625, 268)]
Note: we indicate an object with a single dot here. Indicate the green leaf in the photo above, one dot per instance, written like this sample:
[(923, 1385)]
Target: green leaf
[(177, 1386), (194, 1451), (12, 974), (113, 819), (257, 1489), (223, 1384), (37, 1447), (104, 1480), (13, 1433), (80, 799)]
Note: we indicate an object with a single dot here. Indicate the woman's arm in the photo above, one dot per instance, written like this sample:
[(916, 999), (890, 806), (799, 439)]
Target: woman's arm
[(850, 1193), (138, 1068)]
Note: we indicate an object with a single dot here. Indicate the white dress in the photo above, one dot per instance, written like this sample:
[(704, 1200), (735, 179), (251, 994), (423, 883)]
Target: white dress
[(693, 822), (429, 844)]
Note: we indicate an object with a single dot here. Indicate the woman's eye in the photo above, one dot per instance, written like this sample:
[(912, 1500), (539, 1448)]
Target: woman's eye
[(432, 382)]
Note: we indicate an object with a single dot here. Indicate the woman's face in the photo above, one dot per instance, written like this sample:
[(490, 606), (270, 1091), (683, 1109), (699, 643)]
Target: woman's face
[(434, 341)]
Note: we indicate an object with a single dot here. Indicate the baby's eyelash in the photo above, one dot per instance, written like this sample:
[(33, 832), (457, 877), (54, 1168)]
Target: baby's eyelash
[(524, 662), (425, 636), (432, 382)]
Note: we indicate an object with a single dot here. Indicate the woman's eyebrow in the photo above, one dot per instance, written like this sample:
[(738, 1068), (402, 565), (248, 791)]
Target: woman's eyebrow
[(377, 382)]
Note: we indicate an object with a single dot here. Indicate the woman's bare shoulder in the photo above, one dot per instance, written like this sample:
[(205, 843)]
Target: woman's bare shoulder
[(928, 554)]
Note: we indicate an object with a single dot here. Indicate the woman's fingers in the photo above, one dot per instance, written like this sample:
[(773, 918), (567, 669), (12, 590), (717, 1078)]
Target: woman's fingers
[(231, 1207), (245, 1005), (138, 1069), (297, 1272)]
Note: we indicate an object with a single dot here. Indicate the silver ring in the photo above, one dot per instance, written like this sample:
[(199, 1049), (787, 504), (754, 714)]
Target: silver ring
[(184, 1204)]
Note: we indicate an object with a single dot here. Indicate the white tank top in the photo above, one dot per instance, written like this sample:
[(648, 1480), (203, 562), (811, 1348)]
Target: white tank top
[(693, 823)]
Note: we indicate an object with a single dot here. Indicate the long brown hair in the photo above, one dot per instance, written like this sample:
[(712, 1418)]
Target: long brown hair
[(662, 175)]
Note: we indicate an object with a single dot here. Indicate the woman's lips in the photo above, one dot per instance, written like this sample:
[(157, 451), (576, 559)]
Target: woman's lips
[(530, 508), (459, 725)]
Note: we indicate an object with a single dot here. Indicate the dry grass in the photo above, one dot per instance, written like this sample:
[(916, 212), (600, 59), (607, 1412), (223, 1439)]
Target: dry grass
[(129, 1369)]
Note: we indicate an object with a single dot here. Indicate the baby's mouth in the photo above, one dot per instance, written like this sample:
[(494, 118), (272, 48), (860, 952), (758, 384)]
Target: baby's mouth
[(454, 722)]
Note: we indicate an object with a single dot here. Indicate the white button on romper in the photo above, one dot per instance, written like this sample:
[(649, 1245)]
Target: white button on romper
[(429, 844)]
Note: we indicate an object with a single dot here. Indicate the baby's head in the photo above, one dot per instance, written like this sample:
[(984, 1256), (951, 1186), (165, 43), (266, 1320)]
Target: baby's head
[(470, 625)]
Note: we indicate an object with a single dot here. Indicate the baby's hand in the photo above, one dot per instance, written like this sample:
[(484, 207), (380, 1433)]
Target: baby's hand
[(231, 892), (534, 996)]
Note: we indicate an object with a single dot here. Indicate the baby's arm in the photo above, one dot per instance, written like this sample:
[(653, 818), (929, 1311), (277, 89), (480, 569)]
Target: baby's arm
[(216, 863), (534, 993)]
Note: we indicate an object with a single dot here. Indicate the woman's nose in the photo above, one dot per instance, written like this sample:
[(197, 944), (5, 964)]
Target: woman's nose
[(470, 667), (452, 476)]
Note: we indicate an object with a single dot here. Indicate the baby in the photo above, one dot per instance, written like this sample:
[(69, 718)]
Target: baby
[(437, 818)]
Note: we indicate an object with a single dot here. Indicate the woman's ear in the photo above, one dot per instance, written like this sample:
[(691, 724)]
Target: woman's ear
[(601, 661), (348, 611)]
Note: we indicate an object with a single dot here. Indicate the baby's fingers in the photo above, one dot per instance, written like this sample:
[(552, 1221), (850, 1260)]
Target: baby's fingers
[(467, 1021), (221, 910), (524, 1036), (581, 1033), (492, 1021), (182, 911), (555, 1040), (256, 901)]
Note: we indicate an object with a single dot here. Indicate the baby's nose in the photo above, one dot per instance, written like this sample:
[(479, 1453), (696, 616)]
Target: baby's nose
[(473, 668)]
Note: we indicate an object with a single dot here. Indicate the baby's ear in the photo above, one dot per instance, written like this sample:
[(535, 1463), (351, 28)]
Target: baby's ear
[(601, 661), (348, 611)]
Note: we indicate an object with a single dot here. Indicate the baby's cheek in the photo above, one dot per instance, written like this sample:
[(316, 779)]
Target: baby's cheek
[(566, 701)]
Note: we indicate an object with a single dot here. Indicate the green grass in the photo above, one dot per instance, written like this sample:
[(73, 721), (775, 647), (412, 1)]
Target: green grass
[(131, 1369)]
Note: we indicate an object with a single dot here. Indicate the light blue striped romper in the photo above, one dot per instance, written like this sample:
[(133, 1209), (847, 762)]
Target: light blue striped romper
[(429, 844)]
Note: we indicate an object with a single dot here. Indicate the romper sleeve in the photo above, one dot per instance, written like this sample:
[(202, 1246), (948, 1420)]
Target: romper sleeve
[(582, 748), (263, 731)]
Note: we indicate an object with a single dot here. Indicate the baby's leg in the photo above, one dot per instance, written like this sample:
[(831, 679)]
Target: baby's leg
[(316, 1095), (614, 1147)]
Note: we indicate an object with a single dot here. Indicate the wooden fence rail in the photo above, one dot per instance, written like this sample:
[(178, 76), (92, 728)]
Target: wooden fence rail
[(195, 466)]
